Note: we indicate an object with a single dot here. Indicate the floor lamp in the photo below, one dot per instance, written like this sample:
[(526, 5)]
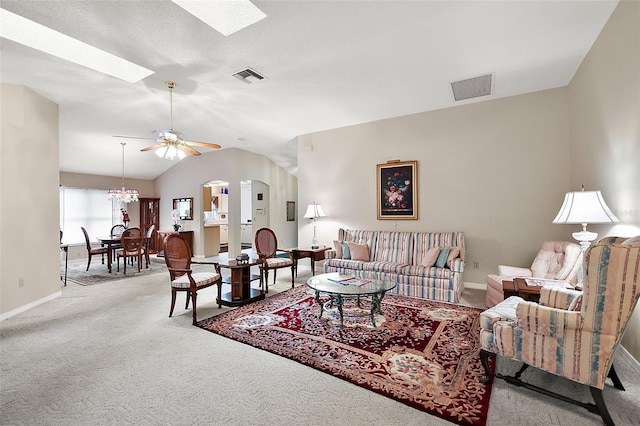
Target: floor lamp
[(313, 211), (584, 207)]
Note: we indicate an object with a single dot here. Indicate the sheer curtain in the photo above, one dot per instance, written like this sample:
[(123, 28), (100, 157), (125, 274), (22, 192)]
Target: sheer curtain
[(88, 208)]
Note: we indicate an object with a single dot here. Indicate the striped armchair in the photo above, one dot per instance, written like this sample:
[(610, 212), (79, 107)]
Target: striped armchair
[(571, 334)]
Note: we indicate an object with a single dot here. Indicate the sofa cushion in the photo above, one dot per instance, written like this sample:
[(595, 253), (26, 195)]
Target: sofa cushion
[(392, 246), (387, 267), (346, 252), (359, 251), (357, 265), (442, 257), (338, 245), (454, 252), (429, 257)]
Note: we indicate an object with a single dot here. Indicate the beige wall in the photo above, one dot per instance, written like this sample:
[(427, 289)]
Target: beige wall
[(186, 178), (497, 170), (29, 216), (605, 129)]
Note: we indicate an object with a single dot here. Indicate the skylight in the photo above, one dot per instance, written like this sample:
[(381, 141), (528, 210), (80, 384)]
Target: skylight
[(224, 16), (26, 32)]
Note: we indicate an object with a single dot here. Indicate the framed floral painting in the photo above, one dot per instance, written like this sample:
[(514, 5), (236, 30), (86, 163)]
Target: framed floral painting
[(397, 190)]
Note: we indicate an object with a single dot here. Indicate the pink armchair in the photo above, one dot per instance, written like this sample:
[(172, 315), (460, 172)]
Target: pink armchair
[(556, 260), (569, 333)]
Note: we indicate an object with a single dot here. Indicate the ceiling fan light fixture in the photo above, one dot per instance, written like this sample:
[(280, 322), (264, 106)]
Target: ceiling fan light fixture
[(170, 152)]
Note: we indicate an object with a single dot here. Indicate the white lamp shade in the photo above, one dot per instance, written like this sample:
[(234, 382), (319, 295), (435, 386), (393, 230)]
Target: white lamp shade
[(313, 211), (584, 207)]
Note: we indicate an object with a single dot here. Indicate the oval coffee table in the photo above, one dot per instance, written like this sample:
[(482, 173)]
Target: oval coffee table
[(355, 288)]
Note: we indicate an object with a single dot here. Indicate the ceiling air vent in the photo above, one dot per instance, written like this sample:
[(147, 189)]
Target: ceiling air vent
[(248, 76), (472, 87)]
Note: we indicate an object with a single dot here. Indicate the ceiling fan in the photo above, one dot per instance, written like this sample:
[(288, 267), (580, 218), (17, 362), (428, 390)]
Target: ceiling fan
[(170, 142)]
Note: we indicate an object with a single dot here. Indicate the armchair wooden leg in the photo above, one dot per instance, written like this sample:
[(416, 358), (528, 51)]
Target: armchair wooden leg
[(615, 379), (292, 275), (186, 305), (266, 280), (602, 407), (194, 294), (484, 360), (88, 262), (173, 301)]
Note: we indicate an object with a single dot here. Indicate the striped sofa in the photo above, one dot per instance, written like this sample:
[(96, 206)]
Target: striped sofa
[(397, 256)]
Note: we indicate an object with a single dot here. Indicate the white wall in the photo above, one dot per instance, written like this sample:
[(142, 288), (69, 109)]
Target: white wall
[(186, 178), (29, 218), (496, 170)]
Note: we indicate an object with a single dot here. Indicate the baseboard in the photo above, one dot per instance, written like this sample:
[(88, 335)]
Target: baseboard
[(28, 306), (475, 286)]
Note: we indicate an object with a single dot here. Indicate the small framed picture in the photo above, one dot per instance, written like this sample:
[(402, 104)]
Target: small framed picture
[(291, 211), (397, 184)]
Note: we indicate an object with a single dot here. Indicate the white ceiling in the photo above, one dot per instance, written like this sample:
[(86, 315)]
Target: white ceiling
[(328, 64)]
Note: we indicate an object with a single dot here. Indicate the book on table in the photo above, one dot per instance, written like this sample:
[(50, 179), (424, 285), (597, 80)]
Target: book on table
[(349, 280), (542, 282)]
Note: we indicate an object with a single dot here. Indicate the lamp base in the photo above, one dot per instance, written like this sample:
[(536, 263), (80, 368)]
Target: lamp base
[(585, 238), (315, 247)]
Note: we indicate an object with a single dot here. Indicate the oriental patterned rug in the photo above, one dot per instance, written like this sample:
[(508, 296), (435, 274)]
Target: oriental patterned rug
[(422, 353)]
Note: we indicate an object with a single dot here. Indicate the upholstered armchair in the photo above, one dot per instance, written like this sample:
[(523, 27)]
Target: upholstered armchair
[(569, 333), (556, 260)]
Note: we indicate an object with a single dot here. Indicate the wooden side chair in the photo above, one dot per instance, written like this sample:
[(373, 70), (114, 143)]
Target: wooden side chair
[(132, 247), (90, 250), (116, 230), (267, 247), (177, 256)]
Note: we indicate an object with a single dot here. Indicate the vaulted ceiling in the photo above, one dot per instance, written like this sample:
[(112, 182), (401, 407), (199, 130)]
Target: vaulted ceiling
[(327, 64)]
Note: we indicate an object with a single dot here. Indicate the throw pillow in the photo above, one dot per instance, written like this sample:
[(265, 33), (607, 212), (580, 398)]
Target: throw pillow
[(442, 257), (359, 251), (429, 257), (338, 245), (346, 253), (454, 252)]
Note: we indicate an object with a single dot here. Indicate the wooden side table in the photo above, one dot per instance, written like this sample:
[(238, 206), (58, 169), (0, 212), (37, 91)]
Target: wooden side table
[(531, 293), (241, 292), (312, 254)]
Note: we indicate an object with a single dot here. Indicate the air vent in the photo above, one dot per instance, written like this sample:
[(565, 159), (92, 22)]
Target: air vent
[(248, 76), (472, 87)]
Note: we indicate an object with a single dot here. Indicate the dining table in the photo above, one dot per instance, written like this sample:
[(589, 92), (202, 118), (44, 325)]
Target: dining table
[(109, 241)]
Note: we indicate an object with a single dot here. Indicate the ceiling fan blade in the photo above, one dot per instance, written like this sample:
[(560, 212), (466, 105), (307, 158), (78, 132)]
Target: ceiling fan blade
[(187, 149), (133, 137), (203, 144), (152, 147)]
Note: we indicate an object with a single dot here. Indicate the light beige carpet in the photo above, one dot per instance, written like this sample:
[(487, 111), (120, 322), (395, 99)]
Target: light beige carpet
[(109, 354)]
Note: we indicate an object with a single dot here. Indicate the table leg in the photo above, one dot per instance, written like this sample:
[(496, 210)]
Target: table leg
[(109, 256), (313, 266), (339, 303), (66, 262), (319, 303)]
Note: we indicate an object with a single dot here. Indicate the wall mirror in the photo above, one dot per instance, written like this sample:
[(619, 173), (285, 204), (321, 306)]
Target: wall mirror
[(184, 207)]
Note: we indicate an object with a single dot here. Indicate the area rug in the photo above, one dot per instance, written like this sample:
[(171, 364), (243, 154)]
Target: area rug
[(422, 353), (98, 273)]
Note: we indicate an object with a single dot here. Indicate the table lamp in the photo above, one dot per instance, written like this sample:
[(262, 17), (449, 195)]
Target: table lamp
[(584, 207), (313, 211)]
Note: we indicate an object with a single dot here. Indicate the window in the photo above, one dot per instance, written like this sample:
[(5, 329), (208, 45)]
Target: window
[(89, 208)]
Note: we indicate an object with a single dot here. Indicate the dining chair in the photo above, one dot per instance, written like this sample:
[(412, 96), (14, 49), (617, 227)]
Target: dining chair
[(177, 256), (132, 247), (116, 230), (267, 248), (91, 250), (147, 243)]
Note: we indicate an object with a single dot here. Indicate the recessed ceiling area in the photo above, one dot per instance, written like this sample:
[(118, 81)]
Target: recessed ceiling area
[(328, 65)]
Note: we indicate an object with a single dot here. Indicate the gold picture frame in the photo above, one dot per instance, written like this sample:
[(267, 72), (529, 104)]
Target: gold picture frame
[(397, 185)]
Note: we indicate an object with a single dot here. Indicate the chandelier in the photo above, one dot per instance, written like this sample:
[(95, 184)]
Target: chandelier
[(123, 195)]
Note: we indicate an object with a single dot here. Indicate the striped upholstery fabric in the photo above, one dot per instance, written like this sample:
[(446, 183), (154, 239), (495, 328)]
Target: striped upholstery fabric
[(278, 262), (578, 345), (200, 278), (396, 257), (393, 247)]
